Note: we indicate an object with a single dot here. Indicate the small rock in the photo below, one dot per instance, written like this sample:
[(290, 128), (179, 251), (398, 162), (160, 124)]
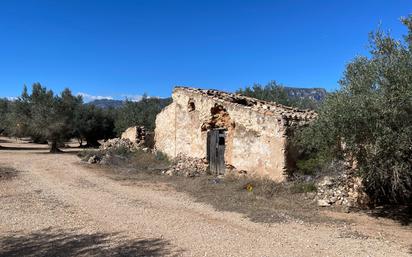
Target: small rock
[(323, 203), (214, 181), (104, 161), (93, 159), (326, 181), (308, 178)]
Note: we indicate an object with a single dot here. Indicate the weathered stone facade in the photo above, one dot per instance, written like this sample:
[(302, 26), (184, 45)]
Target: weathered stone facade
[(256, 131)]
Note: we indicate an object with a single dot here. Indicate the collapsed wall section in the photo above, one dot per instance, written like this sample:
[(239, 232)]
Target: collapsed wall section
[(137, 135)]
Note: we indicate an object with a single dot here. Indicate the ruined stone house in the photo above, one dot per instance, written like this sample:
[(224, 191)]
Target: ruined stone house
[(253, 134)]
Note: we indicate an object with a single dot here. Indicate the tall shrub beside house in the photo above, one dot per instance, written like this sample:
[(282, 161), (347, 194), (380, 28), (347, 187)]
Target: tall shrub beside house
[(370, 118)]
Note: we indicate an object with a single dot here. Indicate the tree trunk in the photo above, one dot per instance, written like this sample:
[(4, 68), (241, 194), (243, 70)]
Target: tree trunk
[(80, 140), (54, 148)]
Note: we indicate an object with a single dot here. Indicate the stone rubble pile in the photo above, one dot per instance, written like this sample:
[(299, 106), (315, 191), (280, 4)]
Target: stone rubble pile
[(117, 143), (94, 159), (187, 166), (111, 147), (344, 190)]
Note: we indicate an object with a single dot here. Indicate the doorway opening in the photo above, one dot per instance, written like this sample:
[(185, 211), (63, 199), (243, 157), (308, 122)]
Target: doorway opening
[(216, 140)]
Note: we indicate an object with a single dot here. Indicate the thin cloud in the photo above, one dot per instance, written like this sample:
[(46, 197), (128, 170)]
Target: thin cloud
[(133, 98), (88, 97)]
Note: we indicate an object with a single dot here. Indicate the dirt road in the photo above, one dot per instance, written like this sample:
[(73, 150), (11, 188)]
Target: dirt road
[(56, 207)]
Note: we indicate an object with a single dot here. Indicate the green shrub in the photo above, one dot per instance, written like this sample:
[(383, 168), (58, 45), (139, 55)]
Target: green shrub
[(303, 187), (312, 165), (122, 151), (160, 156)]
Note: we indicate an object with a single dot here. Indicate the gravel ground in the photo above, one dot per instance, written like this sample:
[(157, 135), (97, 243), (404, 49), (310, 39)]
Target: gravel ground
[(56, 207)]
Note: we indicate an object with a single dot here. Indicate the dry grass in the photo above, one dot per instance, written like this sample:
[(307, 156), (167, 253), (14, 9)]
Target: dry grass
[(261, 200), (267, 202), (124, 158)]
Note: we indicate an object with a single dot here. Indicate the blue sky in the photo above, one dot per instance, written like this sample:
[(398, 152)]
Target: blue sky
[(126, 48)]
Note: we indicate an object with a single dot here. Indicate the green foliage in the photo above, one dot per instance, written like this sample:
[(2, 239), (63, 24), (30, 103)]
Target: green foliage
[(18, 117), (4, 110), (92, 124), (52, 117), (120, 151), (160, 156), (303, 187), (43, 115), (271, 92), (370, 118), (312, 164), (142, 113), (275, 92)]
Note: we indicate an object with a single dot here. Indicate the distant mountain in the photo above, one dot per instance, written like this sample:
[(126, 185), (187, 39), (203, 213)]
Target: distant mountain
[(107, 103), (110, 103), (316, 94)]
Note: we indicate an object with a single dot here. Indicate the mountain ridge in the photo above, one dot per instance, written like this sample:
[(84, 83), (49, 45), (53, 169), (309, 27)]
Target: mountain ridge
[(317, 94)]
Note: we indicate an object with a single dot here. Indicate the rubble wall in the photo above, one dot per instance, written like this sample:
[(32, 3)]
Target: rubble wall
[(255, 142), (136, 135), (130, 134)]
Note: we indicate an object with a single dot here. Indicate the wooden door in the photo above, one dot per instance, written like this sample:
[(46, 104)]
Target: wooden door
[(216, 151)]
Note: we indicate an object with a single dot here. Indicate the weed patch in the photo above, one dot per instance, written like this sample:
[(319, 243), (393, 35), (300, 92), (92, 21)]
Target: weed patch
[(7, 173), (303, 187)]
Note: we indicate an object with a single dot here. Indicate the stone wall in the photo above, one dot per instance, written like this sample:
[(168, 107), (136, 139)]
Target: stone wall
[(136, 135), (130, 134), (255, 130)]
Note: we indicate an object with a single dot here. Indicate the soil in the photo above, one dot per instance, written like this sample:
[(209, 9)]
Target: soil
[(57, 206)]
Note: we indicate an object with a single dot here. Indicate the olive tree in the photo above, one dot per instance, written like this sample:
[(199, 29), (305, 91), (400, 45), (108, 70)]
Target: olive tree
[(4, 110), (370, 118), (47, 115), (92, 124)]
